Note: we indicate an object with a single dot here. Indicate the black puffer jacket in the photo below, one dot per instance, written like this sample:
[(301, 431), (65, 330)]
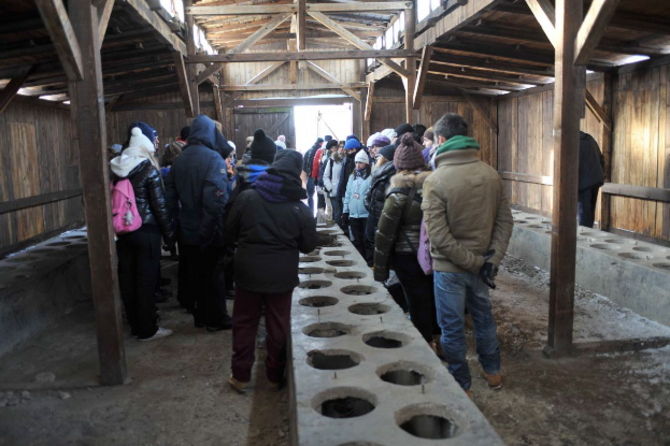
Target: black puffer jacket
[(150, 197), (374, 200)]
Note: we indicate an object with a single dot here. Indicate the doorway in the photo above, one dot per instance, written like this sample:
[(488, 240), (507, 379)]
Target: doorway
[(312, 121)]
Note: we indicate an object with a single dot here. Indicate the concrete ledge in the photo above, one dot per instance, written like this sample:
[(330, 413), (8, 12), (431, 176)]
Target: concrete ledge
[(633, 273), (361, 373), (40, 284)]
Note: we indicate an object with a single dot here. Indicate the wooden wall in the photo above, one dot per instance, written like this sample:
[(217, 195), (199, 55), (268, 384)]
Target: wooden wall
[(388, 111), (640, 146), (39, 160)]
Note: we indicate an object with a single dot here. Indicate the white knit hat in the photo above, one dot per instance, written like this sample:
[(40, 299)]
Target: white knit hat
[(362, 157)]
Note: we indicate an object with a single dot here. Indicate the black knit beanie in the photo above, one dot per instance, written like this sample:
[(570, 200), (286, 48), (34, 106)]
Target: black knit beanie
[(388, 151), (263, 148), (403, 128)]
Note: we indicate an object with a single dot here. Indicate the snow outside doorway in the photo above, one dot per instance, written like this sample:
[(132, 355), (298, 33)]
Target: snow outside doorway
[(312, 121)]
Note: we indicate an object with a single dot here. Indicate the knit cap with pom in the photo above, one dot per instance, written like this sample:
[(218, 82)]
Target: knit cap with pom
[(262, 147), (408, 154), (362, 157)]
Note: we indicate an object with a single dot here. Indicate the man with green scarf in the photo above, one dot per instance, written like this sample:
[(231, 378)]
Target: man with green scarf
[(469, 224)]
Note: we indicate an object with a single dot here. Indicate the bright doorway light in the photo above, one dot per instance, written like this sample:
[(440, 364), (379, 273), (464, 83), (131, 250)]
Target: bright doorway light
[(312, 121)]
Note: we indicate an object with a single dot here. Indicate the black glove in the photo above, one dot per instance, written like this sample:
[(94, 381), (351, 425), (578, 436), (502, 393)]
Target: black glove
[(488, 273), (345, 219)]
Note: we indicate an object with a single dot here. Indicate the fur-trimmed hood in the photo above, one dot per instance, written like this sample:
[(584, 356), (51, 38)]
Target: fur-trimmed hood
[(409, 179)]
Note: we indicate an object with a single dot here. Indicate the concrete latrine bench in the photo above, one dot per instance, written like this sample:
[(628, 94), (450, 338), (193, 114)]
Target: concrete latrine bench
[(360, 373)]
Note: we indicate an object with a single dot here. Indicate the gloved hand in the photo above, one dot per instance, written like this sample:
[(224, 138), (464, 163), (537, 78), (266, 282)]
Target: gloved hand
[(488, 271), (345, 219)]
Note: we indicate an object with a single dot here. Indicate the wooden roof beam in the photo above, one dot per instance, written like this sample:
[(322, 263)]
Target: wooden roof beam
[(184, 85), (305, 55), (544, 13), (291, 8), (11, 89), (62, 34), (420, 85), (330, 78), (289, 87), (265, 72), (592, 29), (104, 14), (142, 10), (356, 41)]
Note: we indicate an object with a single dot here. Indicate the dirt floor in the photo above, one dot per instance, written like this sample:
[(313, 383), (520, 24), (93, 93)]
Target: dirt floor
[(178, 394)]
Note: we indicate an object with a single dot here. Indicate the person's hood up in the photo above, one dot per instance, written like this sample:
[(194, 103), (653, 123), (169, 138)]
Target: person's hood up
[(139, 149), (204, 132), (223, 146), (281, 182)]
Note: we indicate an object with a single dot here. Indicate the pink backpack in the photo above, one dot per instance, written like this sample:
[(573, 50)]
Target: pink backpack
[(423, 252), (125, 216)]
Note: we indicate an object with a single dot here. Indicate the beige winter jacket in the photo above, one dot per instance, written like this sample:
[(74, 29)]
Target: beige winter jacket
[(465, 212)]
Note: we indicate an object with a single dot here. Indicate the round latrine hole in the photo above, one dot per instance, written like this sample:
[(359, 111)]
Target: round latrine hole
[(333, 359), (358, 290), (326, 330), (662, 265), (309, 259), (429, 426), (629, 255), (641, 249), (314, 284), (328, 232), (600, 246), (369, 308), (520, 221), (350, 275), (310, 270), (336, 253), (536, 226), (385, 339), (612, 240), (403, 373), (360, 443), (344, 402), (318, 301), (340, 262)]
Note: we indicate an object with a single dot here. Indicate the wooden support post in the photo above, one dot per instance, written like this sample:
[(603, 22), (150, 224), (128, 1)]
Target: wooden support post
[(301, 27), (191, 69), (89, 115), (410, 63), (291, 46), (369, 101), (606, 140), (11, 89), (568, 102), (228, 119), (218, 105)]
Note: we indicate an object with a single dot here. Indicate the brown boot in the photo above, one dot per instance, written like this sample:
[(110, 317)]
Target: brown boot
[(495, 382), (238, 386), (437, 347)]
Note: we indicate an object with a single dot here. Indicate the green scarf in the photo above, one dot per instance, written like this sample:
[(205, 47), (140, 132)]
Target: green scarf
[(458, 142)]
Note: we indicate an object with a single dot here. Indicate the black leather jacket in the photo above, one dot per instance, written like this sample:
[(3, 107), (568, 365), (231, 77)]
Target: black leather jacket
[(376, 196), (150, 197)]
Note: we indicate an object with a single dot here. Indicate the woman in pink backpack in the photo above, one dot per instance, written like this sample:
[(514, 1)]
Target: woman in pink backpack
[(398, 236), (139, 250)]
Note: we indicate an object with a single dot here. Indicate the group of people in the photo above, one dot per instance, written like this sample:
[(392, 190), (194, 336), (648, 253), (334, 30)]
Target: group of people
[(242, 225)]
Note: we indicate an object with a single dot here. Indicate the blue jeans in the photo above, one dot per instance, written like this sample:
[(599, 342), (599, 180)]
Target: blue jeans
[(453, 292)]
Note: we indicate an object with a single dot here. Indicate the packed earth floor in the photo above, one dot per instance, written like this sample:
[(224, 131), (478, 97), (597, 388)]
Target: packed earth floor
[(177, 394)]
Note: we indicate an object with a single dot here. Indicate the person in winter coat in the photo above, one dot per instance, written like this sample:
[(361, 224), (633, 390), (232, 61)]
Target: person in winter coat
[(591, 177), (354, 213), (429, 146), (397, 237), (198, 192), (376, 196), (469, 224), (271, 227), (256, 160), (332, 174), (351, 147), (139, 252), (307, 168)]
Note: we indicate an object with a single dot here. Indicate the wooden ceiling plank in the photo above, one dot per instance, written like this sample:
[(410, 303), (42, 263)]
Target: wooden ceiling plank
[(305, 55), (62, 35), (592, 29)]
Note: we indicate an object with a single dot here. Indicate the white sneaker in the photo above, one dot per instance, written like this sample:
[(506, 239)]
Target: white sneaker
[(160, 333)]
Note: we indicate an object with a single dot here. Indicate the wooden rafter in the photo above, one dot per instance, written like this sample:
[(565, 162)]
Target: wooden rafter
[(209, 72), (426, 55), (9, 92), (289, 87), (104, 14), (301, 24), (368, 101), (142, 10), (62, 34), (598, 110), (592, 28), (260, 33), (544, 13), (265, 72), (184, 85), (330, 78), (355, 40)]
